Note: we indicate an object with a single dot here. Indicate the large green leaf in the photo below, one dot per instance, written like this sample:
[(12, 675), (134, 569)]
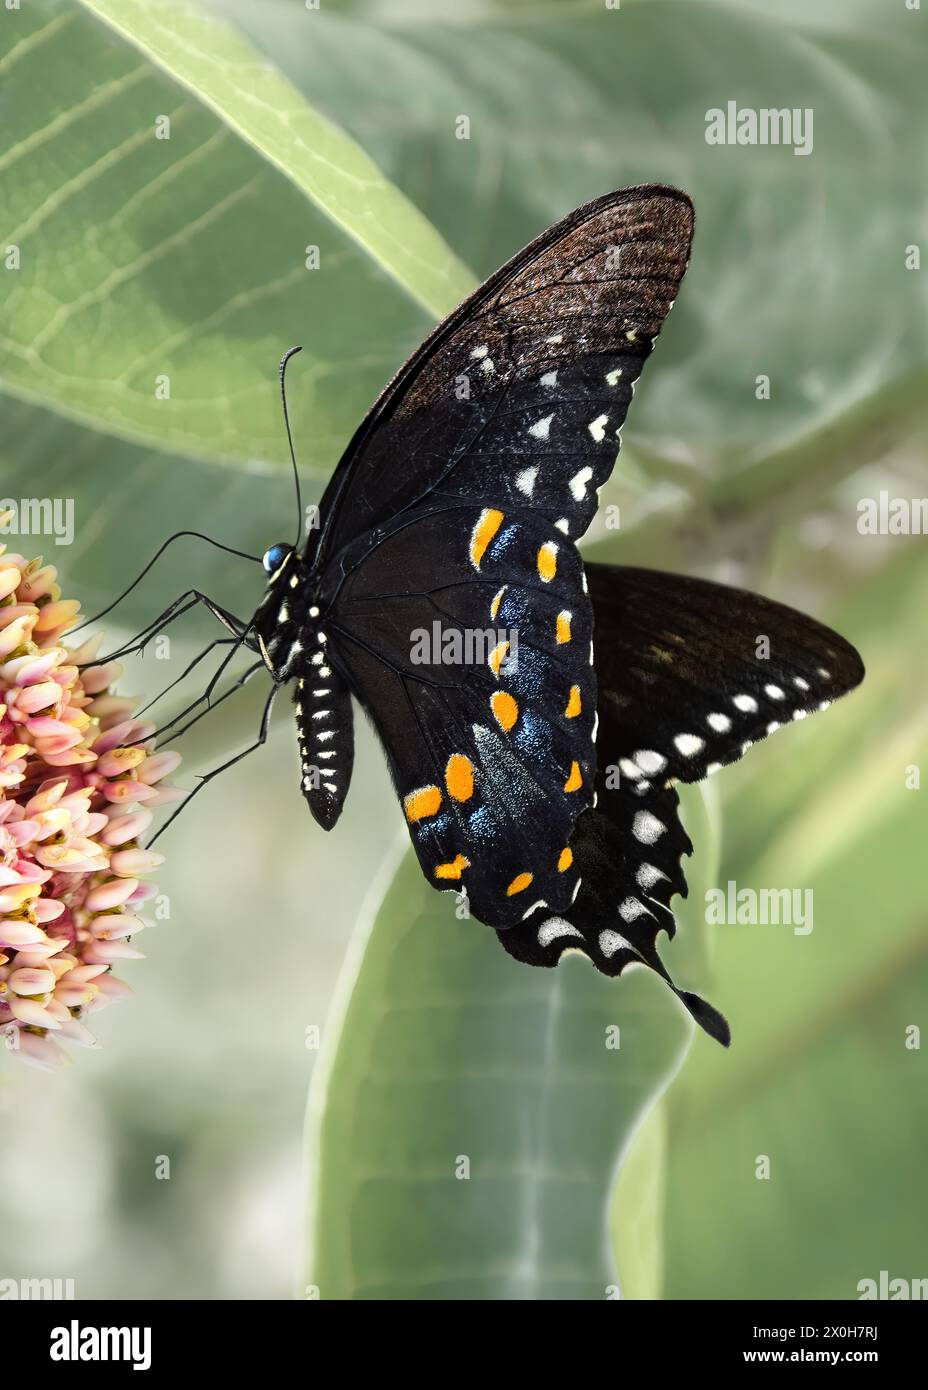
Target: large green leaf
[(450, 1050), (185, 258)]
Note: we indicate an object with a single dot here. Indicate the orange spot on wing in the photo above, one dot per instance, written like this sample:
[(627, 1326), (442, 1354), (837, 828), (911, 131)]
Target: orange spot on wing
[(574, 703), (505, 709), (488, 523), (565, 859), (454, 869), (547, 561), (497, 656), (497, 600), (421, 804), (519, 884), (575, 780), (459, 777), (562, 628)]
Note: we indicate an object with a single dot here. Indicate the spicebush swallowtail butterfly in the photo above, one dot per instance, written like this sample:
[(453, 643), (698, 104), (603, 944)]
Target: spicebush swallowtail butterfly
[(461, 499)]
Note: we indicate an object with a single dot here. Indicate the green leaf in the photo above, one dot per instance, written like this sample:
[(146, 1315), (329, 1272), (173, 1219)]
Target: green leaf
[(638, 1208), (148, 261), (822, 1077), (566, 102), (221, 71), (447, 1050)]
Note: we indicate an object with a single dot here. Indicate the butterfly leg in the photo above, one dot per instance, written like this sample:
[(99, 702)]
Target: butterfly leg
[(170, 727), (190, 599), (218, 642), (231, 762)]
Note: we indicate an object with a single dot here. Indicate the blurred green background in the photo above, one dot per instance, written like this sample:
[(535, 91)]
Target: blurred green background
[(143, 258)]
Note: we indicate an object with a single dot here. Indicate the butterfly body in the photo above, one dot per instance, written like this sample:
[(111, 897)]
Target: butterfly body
[(289, 631)]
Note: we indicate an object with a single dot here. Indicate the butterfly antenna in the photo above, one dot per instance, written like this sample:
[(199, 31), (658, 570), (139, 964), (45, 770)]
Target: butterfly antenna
[(292, 352), (178, 535)]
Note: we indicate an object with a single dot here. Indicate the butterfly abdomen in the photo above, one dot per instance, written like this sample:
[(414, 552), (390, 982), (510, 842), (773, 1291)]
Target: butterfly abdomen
[(325, 732)]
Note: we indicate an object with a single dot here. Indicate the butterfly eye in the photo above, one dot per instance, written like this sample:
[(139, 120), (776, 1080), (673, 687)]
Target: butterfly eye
[(275, 557)]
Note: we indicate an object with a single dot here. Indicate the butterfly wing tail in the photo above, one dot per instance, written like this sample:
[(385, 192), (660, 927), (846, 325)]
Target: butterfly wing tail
[(708, 1018), (626, 886)]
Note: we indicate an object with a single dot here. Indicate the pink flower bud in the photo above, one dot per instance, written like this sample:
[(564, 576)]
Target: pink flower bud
[(125, 828), (113, 926), (32, 981), (32, 1013), (127, 792), (160, 765), (16, 934), (119, 760), (41, 696), (10, 579), (111, 894), (129, 863), (107, 951)]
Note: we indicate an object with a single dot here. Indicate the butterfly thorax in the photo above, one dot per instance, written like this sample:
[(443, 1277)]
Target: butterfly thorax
[(290, 634), (286, 624)]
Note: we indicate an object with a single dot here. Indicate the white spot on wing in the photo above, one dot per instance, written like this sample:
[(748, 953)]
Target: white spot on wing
[(647, 876), (688, 744), (555, 927), (646, 828), (631, 909), (650, 761), (578, 483), (612, 941), (597, 427), (525, 481), (542, 427)]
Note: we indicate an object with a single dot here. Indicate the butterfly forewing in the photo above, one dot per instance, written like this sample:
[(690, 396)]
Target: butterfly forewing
[(458, 502), (521, 392)]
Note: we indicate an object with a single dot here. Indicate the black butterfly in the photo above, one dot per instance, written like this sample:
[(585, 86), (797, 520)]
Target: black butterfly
[(459, 502)]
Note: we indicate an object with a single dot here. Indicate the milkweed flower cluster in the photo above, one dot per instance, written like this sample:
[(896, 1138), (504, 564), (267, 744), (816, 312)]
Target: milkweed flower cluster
[(79, 778)]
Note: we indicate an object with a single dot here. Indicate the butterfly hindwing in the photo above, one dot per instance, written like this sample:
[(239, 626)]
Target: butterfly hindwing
[(521, 392), (623, 902), (671, 653), (693, 673)]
